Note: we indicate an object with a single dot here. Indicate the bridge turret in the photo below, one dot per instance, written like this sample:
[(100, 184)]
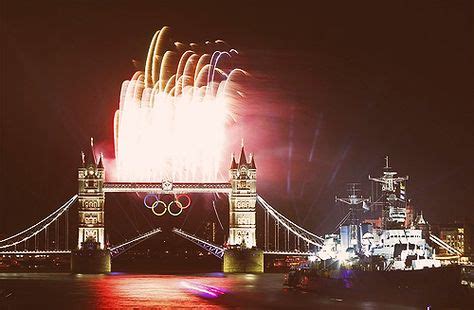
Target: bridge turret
[(252, 162), (233, 171), (242, 201), (252, 169)]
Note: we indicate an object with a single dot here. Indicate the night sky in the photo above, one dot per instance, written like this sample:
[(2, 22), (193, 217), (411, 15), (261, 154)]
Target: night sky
[(333, 89)]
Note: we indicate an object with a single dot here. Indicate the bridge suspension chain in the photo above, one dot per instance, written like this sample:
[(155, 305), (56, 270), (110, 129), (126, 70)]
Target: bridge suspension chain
[(302, 233), (32, 231)]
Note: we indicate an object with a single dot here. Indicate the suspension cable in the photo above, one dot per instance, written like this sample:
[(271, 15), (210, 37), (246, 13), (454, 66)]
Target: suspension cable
[(217, 215), (66, 246), (30, 231), (288, 224)]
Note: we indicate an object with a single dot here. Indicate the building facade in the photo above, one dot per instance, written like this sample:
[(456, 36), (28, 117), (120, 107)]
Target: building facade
[(457, 235)]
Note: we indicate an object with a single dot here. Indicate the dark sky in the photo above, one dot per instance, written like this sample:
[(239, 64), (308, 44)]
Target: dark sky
[(335, 88)]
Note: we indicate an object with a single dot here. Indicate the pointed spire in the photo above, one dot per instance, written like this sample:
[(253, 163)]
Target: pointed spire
[(243, 158), (101, 161), (252, 161), (233, 164), (421, 220), (83, 159), (92, 150), (90, 156)]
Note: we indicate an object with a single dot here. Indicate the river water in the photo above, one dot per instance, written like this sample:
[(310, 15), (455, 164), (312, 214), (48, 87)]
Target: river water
[(136, 291)]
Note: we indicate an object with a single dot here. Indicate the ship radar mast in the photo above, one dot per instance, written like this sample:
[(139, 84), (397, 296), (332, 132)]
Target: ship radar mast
[(393, 199), (388, 180), (353, 198), (350, 232), (355, 201)]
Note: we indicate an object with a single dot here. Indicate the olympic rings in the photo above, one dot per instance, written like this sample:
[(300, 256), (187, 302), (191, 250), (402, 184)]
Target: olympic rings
[(166, 207), (180, 206), (155, 204), (146, 199), (189, 200)]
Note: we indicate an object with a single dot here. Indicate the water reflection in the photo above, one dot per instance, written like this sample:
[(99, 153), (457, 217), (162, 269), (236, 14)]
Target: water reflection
[(202, 290), (125, 291)]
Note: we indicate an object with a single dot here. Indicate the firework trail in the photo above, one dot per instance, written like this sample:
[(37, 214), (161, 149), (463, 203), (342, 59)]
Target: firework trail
[(290, 150), (171, 121), (315, 138), (328, 184)]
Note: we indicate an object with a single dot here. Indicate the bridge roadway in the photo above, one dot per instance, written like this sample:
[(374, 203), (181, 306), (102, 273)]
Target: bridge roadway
[(166, 187)]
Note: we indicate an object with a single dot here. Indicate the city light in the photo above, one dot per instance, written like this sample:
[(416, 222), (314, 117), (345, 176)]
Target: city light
[(172, 117)]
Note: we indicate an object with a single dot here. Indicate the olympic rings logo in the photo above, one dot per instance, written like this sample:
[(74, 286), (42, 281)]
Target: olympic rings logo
[(159, 207)]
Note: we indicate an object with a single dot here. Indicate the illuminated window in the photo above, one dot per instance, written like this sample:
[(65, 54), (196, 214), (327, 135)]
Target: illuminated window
[(243, 221), (90, 219)]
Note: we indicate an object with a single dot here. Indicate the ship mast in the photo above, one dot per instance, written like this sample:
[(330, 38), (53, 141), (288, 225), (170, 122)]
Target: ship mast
[(393, 203), (356, 202)]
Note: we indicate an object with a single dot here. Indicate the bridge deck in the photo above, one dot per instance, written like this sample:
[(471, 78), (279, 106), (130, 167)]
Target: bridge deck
[(166, 188)]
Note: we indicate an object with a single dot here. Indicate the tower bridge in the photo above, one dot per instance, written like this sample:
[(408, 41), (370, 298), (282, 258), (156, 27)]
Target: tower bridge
[(241, 251)]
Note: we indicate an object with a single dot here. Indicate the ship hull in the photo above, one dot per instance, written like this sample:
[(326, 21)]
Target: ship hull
[(427, 284)]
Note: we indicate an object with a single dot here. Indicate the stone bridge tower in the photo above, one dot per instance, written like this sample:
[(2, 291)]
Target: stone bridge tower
[(92, 254), (242, 254), (91, 177), (243, 177)]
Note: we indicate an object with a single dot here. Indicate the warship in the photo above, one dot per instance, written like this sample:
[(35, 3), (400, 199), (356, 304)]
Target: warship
[(385, 256)]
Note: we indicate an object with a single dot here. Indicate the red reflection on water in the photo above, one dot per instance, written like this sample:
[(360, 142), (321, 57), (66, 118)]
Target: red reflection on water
[(202, 290), (156, 291)]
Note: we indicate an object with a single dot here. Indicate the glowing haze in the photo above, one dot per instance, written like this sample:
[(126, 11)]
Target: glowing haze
[(171, 122)]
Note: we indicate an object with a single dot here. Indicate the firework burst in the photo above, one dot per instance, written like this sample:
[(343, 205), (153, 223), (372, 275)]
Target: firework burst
[(171, 123)]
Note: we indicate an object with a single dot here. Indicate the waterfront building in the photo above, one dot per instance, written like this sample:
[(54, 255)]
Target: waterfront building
[(459, 235)]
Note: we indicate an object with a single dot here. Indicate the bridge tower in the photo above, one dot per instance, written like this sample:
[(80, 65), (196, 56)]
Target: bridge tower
[(91, 255), (91, 202), (242, 255), (243, 178)]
